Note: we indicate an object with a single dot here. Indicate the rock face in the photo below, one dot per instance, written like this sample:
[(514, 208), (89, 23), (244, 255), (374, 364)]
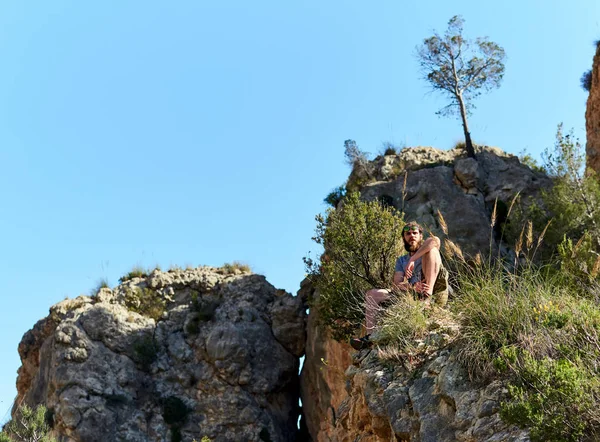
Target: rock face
[(372, 397), (592, 117), (323, 382), (219, 359), (463, 189)]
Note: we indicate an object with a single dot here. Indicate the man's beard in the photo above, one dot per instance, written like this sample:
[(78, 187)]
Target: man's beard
[(412, 248)]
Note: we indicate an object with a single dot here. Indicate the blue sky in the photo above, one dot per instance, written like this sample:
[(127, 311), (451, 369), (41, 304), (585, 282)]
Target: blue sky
[(195, 132)]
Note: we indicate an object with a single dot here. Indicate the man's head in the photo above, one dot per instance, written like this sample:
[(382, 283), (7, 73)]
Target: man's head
[(412, 234)]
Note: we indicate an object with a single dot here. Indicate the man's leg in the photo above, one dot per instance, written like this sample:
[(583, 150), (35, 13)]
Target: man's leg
[(372, 300), (431, 263)]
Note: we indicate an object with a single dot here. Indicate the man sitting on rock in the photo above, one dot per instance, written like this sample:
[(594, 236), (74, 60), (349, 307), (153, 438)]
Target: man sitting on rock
[(420, 270)]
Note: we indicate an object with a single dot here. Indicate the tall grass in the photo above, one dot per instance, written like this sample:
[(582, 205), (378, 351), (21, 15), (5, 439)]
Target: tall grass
[(531, 324)]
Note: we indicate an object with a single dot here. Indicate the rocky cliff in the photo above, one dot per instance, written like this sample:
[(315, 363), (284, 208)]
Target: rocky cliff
[(592, 117), (174, 356), (181, 355), (374, 395), (379, 395)]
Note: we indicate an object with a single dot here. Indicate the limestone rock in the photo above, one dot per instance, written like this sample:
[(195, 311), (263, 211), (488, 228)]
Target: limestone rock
[(463, 189), (374, 399), (221, 361), (592, 117)]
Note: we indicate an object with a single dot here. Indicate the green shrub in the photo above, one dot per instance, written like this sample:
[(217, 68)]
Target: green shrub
[(402, 322), (526, 159), (203, 310), (28, 425), (145, 351), (234, 267), (552, 398), (362, 241), (146, 302), (335, 196), (460, 145), (136, 272), (586, 80), (389, 148), (538, 329), (101, 284)]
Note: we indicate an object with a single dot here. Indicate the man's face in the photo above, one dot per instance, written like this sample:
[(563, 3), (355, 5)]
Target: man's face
[(412, 240)]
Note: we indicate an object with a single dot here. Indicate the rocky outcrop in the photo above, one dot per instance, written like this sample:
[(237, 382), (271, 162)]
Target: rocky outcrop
[(436, 403), (463, 189), (592, 117), (175, 356), (323, 381), (381, 394)]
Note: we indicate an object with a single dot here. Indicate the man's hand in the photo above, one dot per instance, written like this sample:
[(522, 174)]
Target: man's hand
[(422, 288), (409, 269)]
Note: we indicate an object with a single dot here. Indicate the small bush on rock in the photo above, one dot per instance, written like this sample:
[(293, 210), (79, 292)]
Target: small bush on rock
[(146, 302), (235, 267), (136, 272), (335, 196), (535, 327), (362, 241), (29, 425), (145, 351), (101, 284)]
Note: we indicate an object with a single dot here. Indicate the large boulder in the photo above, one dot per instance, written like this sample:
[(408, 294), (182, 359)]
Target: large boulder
[(220, 358), (422, 180)]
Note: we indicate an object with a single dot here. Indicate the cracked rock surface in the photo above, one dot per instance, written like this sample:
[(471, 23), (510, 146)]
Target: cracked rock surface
[(220, 361), (371, 397), (463, 189)]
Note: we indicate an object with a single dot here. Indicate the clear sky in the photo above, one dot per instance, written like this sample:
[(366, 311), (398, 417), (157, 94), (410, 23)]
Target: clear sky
[(195, 132)]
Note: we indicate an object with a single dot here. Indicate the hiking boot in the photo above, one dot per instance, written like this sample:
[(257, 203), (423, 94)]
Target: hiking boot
[(361, 343)]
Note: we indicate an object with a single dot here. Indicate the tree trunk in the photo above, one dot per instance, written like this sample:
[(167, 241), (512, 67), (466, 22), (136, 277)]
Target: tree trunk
[(463, 114)]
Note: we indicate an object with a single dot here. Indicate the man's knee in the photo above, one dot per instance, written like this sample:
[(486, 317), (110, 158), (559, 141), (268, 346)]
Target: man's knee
[(378, 295), (433, 257)]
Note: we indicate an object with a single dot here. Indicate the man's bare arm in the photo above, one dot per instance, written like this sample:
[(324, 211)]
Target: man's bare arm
[(430, 243), (399, 281)]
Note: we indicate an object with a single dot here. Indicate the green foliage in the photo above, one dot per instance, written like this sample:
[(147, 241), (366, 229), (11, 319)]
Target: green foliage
[(362, 241), (145, 351), (552, 398), (571, 207), (402, 322), (203, 310), (526, 159), (538, 329), (235, 267), (28, 425), (146, 302), (136, 272), (459, 145), (586, 80), (460, 69), (101, 284), (335, 196), (389, 148), (574, 200)]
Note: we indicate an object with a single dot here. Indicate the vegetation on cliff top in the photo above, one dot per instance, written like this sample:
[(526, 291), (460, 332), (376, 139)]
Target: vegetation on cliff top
[(531, 318)]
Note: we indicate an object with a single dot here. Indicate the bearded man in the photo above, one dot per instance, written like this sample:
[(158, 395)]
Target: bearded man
[(419, 270)]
